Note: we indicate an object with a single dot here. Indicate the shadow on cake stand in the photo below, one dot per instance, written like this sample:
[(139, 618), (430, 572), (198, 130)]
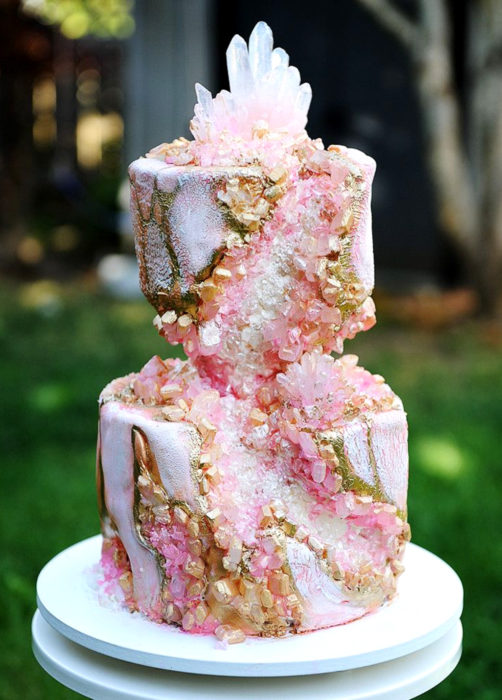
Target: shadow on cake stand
[(103, 651)]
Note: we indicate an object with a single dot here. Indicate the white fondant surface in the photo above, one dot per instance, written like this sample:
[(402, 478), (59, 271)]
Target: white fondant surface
[(355, 443), (362, 250), (389, 441), (144, 171), (196, 224), (117, 461), (428, 605), (169, 442), (323, 599), (158, 264)]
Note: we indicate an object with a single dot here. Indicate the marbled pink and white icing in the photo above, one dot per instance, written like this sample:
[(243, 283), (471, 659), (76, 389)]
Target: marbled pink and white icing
[(258, 487)]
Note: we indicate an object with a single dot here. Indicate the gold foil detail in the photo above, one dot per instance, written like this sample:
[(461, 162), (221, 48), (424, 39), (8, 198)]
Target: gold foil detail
[(180, 515), (257, 417), (193, 528), (196, 588), (201, 613), (195, 567), (332, 440), (279, 583), (266, 598)]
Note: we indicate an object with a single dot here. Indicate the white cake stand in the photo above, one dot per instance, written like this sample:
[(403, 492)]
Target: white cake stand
[(100, 677), (398, 652)]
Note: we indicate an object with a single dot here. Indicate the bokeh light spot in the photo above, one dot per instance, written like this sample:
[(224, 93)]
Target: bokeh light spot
[(43, 296), (75, 25), (64, 238), (30, 250), (49, 397), (440, 456)]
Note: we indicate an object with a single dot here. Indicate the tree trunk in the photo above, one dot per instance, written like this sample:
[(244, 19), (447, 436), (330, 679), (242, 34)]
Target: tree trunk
[(484, 122), (64, 62), (467, 177), (487, 280), (25, 52), (457, 202), (16, 163)]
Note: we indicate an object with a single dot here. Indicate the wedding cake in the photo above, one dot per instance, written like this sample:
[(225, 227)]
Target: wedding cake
[(259, 486)]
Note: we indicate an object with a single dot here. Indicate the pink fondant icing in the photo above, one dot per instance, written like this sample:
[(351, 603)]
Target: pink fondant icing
[(356, 448), (389, 440)]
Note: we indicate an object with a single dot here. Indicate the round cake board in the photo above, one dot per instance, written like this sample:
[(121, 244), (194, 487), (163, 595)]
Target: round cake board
[(98, 676), (428, 604)]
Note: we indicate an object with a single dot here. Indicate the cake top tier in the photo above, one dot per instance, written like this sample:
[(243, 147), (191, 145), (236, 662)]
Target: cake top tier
[(254, 242)]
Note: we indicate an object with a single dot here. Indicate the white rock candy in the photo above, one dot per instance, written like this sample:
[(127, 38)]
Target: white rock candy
[(265, 92)]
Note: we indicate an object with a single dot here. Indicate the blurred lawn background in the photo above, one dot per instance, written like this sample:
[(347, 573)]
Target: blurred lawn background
[(59, 347)]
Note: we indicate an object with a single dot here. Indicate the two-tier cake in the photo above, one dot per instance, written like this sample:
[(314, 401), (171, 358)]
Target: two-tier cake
[(259, 486)]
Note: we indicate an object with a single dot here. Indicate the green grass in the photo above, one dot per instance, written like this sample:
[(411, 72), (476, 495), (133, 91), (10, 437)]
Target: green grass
[(58, 351)]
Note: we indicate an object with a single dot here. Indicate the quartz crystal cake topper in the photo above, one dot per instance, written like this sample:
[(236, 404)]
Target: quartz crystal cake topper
[(259, 486), (265, 92)]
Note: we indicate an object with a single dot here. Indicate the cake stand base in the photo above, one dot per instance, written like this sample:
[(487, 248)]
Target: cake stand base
[(103, 678)]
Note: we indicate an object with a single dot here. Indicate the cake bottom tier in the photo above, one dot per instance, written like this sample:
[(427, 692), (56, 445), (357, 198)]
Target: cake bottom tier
[(218, 519)]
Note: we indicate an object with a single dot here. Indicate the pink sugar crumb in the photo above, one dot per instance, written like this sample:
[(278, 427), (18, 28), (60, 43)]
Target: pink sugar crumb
[(114, 563), (148, 382), (173, 544), (317, 392)]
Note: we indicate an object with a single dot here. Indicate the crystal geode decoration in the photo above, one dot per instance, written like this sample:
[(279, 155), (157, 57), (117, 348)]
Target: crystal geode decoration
[(265, 91)]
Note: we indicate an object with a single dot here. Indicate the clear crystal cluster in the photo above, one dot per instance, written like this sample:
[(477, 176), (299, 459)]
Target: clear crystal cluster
[(265, 92)]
